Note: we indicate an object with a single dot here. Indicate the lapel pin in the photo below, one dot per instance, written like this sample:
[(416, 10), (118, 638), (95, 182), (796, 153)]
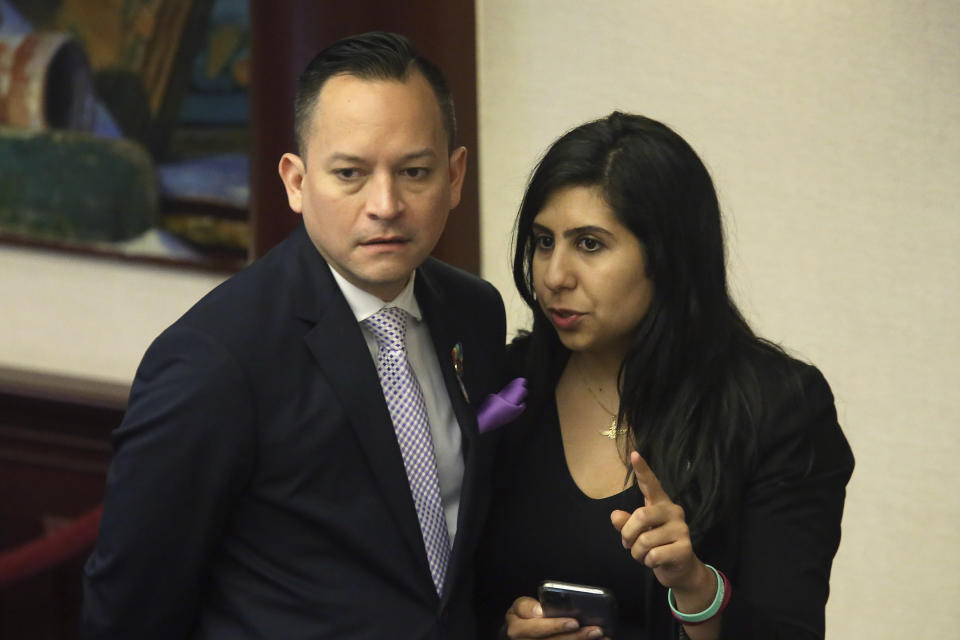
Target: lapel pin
[(457, 355)]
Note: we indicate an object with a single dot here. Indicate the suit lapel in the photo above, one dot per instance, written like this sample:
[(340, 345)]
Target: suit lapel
[(337, 344), (444, 339), (437, 316)]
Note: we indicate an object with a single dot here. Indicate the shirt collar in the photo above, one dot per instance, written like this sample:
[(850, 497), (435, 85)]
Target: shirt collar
[(365, 304)]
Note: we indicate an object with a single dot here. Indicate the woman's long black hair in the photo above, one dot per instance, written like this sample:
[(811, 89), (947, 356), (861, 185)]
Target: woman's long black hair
[(688, 390)]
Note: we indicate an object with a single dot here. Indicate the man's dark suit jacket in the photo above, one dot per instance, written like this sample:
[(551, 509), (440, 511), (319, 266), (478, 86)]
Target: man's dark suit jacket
[(257, 488)]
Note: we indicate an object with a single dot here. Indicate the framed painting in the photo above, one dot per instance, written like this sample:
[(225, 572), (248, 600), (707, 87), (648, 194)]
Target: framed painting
[(139, 141)]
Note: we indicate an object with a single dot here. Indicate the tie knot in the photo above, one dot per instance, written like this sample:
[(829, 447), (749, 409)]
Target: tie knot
[(389, 327)]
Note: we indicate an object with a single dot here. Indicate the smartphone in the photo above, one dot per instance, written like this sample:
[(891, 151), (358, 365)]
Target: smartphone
[(591, 606)]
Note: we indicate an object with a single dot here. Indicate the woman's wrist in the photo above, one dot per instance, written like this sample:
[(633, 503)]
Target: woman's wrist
[(700, 592), (721, 597)]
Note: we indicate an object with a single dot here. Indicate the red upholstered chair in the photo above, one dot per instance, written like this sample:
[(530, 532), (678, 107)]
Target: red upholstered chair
[(50, 550), (40, 585)]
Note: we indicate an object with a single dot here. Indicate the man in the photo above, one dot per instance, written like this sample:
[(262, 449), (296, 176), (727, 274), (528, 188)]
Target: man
[(283, 469)]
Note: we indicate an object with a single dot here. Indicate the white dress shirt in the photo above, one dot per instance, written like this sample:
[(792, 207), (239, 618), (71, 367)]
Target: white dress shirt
[(423, 359)]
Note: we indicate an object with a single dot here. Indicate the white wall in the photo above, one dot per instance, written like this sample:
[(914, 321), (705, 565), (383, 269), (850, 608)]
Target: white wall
[(832, 130), (87, 318)]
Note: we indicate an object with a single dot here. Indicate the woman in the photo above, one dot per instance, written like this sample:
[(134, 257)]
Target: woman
[(664, 446)]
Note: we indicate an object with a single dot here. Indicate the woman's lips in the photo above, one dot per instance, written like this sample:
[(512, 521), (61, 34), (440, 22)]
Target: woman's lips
[(565, 319)]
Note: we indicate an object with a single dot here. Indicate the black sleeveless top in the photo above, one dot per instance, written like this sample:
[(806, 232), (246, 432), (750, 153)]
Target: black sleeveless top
[(543, 527)]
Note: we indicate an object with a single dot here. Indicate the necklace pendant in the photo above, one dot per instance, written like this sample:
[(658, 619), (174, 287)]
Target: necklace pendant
[(612, 431)]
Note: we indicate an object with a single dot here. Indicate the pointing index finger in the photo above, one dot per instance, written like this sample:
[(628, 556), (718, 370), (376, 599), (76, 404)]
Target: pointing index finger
[(649, 485)]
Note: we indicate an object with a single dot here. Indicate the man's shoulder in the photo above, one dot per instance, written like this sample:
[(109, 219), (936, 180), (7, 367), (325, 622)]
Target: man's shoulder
[(268, 287), (241, 289), (462, 299), (451, 281)]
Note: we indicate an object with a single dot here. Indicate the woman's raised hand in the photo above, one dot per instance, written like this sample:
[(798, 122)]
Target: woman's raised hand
[(657, 534)]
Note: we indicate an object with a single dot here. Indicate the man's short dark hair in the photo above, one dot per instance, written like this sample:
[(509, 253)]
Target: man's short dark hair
[(377, 55)]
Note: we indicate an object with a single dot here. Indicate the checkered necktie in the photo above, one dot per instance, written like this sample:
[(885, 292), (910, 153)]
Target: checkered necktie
[(412, 426)]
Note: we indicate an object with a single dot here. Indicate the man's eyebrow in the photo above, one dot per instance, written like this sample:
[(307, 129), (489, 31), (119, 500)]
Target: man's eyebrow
[(423, 154), (345, 157), (420, 154), (589, 228)]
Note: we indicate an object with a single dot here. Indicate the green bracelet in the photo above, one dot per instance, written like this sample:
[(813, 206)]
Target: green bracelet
[(706, 614)]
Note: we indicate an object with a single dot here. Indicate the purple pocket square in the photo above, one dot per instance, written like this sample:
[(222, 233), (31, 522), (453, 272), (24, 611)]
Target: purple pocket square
[(500, 408)]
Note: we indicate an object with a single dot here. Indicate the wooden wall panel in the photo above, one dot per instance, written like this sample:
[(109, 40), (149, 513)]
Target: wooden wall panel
[(53, 463)]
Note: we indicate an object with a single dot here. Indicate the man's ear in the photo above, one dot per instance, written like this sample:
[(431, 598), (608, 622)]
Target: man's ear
[(292, 172), (458, 169)]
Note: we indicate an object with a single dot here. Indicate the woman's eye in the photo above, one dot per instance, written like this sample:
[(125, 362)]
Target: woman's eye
[(543, 241), (590, 244)]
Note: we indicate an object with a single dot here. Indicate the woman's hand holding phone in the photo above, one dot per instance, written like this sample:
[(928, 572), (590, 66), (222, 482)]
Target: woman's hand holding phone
[(525, 619)]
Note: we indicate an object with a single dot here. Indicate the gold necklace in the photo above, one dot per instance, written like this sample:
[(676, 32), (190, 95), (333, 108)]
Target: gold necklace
[(614, 430)]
